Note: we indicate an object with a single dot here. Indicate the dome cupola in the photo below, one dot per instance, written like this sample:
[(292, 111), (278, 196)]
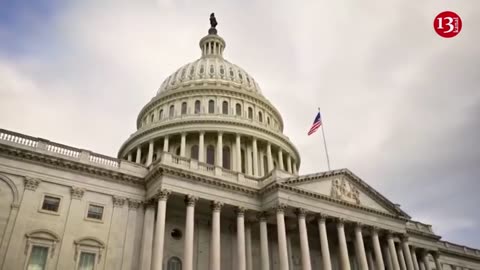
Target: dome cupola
[(212, 112)]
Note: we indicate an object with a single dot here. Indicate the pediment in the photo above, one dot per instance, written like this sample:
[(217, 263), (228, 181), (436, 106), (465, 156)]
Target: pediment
[(345, 186)]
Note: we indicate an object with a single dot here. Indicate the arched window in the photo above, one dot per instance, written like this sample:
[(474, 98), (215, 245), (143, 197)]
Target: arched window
[(197, 107), (225, 107), (260, 116), (226, 157), (194, 152), (151, 118), (174, 263), (238, 109), (177, 152), (171, 112), (250, 113), (268, 120), (211, 155), (184, 108), (160, 115), (211, 106)]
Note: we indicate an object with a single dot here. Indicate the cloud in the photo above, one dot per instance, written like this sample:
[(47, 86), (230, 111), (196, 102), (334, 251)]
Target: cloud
[(400, 104)]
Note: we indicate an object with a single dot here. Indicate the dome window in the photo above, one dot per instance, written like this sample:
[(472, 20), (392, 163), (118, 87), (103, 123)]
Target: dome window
[(222, 70), (225, 107), (174, 263), (194, 152), (160, 114), (211, 155), (171, 112), (268, 120), (231, 72), (197, 106), (192, 71), (248, 80), (226, 157), (183, 74), (211, 106), (238, 109), (250, 113), (240, 76), (184, 108), (260, 117), (152, 117)]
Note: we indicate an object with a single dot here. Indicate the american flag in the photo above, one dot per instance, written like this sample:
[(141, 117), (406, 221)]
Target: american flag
[(316, 124)]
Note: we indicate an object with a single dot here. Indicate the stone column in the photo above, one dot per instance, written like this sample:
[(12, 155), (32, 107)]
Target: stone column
[(406, 253), (242, 265), (401, 258), (289, 163), (129, 157), (249, 160), (360, 247), (387, 257), (322, 228), (438, 265), (264, 254), (302, 229), (219, 159), (138, 158), (342, 244), (150, 153), (248, 245), (425, 260), (129, 246), (393, 252), (116, 235), (371, 264), (165, 144), (158, 241), (189, 226), (183, 142), (294, 168), (261, 164), (280, 159), (147, 237), (239, 153), (201, 147), (282, 238), (377, 250), (269, 157), (255, 157), (414, 258), (215, 250)]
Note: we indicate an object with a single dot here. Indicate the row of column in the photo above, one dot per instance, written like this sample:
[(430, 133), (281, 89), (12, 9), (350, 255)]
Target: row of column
[(254, 167), (402, 257)]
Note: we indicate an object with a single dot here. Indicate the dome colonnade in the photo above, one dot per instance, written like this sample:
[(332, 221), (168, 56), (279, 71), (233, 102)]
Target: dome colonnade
[(213, 111)]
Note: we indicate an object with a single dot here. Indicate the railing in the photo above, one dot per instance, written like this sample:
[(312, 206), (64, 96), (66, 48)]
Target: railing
[(206, 167), (461, 249), (59, 149)]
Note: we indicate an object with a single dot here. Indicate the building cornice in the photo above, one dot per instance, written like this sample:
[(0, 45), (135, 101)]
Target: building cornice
[(69, 165)]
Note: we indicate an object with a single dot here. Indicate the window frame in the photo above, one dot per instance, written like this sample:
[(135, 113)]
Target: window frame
[(184, 108), (225, 107), (29, 253), (94, 219), (171, 111), (42, 238), (88, 245), (199, 109), (250, 113), (56, 213), (238, 109), (211, 101)]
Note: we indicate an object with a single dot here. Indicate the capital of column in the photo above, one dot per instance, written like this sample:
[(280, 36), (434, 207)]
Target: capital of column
[(134, 204), (162, 194), (358, 226), (322, 217), (280, 208), (77, 193), (190, 200), (301, 212), (149, 204), (340, 221), (240, 211), (31, 183), (262, 216), (436, 255), (404, 237), (118, 201), (216, 206)]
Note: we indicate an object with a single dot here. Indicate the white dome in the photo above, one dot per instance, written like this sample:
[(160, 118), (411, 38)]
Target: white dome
[(210, 68)]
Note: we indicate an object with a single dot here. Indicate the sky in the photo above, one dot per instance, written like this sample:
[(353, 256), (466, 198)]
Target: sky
[(400, 104)]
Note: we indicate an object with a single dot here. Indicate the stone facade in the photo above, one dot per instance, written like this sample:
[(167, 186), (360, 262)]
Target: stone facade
[(208, 181)]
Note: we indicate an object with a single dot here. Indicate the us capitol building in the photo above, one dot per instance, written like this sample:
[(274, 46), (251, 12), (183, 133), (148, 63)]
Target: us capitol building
[(207, 182)]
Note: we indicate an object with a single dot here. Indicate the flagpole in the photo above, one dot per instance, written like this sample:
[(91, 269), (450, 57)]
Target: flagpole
[(324, 142)]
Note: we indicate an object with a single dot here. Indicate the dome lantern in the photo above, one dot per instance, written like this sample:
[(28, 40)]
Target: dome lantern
[(212, 45)]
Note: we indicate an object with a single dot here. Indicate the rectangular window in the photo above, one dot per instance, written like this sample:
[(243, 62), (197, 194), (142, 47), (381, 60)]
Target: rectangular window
[(95, 211), (87, 261), (51, 203), (38, 258)]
